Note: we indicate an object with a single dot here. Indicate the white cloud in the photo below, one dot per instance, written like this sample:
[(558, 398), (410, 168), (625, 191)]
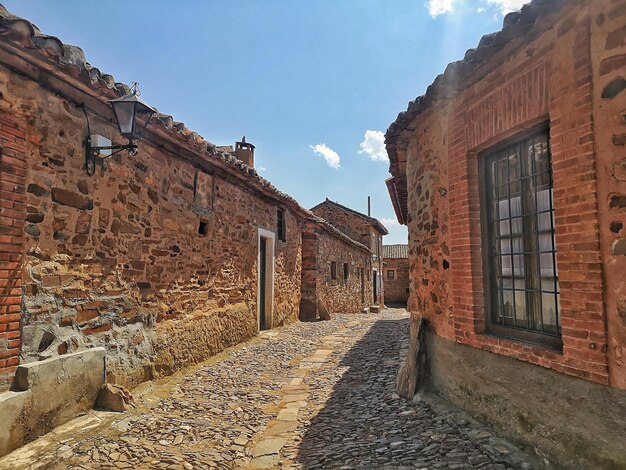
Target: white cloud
[(331, 157), (439, 7), (390, 222), (374, 146), (507, 6), (261, 169)]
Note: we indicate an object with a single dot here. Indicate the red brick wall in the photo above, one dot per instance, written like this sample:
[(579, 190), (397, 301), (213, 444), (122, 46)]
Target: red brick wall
[(546, 80), (12, 215)]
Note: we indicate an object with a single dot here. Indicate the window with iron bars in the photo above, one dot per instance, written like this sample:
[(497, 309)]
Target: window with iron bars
[(521, 276)]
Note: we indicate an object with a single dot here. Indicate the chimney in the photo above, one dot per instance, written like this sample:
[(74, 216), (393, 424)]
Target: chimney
[(369, 206), (245, 152)]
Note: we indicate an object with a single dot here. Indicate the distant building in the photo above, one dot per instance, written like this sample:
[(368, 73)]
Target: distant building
[(396, 273), (335, 272), (364, 229)]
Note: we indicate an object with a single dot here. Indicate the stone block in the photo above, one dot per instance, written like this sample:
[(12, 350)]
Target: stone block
[(409, 374), (48, 394), (86, 367), (11, 405), (322, 310), (114, 398)]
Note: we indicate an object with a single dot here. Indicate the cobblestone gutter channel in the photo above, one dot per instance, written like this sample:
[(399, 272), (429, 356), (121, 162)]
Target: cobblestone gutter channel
[(309, 395)]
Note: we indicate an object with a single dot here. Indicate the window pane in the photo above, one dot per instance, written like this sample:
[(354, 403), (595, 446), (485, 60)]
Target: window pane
[(522, 251)]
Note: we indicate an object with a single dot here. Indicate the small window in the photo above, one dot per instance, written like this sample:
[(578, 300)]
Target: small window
[(391, 274), (203, 229), (333, 270), (280, 225), (346, 271)]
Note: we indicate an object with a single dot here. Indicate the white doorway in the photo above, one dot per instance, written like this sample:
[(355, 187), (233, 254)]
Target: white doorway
[(266, 242)]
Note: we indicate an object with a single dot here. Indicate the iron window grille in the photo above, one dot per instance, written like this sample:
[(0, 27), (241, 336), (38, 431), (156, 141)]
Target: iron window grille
[(280, 225), (521, 276), (391, 274)]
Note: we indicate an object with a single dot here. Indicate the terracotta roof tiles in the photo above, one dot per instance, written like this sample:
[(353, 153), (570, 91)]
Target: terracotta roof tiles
[(395, 251)]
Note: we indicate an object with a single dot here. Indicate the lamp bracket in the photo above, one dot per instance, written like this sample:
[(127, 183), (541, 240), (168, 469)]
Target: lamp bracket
[(92, 153)]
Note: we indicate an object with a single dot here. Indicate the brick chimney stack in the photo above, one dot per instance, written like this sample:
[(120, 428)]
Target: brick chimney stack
[(244, 151)]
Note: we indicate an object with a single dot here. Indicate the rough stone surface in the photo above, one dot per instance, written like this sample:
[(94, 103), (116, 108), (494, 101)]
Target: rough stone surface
[(569, 419), (412, 371), (320, 249), (396, 289), (619, 247), (308, 395), (322, 311), (366, 230), (113, 397)]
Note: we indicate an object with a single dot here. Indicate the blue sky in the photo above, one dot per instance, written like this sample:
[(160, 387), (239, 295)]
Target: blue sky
[(303, 80)]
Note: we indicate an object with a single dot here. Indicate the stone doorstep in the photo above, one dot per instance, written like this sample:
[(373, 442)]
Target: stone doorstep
[(313, 359), (281, 428), (293, 398), (322, 354), (268, 446), (333, 339), (266, 461), (311, 365)]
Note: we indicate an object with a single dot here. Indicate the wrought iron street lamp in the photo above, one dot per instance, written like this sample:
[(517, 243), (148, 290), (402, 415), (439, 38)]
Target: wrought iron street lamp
[(125, 109)]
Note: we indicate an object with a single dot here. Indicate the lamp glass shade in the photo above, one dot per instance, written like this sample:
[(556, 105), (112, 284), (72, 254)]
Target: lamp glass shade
[(125, 114)]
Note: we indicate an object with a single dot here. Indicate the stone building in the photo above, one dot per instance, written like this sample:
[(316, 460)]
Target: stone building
[(510, 174), (396, 273), (366, 230), (335, 272), (153, 262)]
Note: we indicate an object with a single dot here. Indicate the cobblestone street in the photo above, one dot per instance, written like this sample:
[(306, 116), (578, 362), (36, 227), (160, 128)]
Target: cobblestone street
[(309, 395)]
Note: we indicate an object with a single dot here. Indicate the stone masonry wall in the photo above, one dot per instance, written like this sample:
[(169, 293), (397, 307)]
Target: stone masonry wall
[(120, 259), (397, 289), (608, 43), (351, 224), (343, 295), (558, 77), (428, 225)]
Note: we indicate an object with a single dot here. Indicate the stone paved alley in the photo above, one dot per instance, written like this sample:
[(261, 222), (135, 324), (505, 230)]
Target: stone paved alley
[(309, 395)]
